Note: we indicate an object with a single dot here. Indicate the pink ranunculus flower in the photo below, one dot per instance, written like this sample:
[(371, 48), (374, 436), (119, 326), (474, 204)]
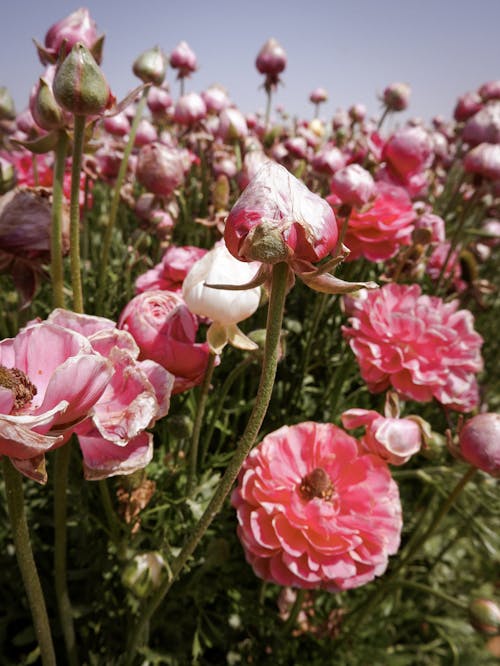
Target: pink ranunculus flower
[(315, 512), (377, 232), (165, 331), (79, 26), (479, 442), (421, 346), (113, 438), (169, 274), (395, 440), (50, 380), (183, 59), (189, 109)]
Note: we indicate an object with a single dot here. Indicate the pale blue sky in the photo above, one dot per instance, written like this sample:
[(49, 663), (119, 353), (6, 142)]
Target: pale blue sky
[(353, 48)]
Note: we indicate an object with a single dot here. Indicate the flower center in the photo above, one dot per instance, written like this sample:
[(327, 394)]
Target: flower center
[(317, 484), (21, 387)]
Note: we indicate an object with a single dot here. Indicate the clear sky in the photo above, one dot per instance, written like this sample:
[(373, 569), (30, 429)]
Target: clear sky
[(353, 48)]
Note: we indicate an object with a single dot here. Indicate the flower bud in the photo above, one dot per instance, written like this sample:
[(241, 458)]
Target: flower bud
[(183, 59), (144, 573), (151, 66), (397, 96), (271, 59), (79, 84), (318, 96), (484, 615), (160, 168), (79, 26), (7, 176), (159, 100), (484, 160), (354, 186), (189, 109), (466, 106), (45, 110), (7, 108), (479, 442)]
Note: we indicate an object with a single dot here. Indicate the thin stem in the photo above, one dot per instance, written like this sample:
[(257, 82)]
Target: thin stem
[(26, 561), (294, 612), (56, 258), (62, 456), (268, 105), (268, 374), (429, 590), (382, 118), (200, 413), (115, 202), (74, 213)]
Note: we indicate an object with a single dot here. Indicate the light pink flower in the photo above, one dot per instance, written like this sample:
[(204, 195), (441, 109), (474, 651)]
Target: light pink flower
[(354, 186), (483, 126), (420, 345), (394, 440), (79, 26), (479, 442), (160, 168), (184, 59), (165, 331), (378, 231), (313, 512), (169, 274), (50, 379), (397, 96), (189, 109)]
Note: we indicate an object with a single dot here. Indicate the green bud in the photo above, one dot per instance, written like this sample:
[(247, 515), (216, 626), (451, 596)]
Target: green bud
[(79, 84), (45, 110), (7, 109), (484, 615), (7, 176), (144, 574), (151, 66)]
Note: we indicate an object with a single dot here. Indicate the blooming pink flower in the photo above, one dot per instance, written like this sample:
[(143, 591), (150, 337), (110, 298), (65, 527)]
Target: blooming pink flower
[(165, 331), (408, 153), (50, 379), (423, 347), (395, 440), (169, 274), (479, 442), (313, 512), (378, 231)]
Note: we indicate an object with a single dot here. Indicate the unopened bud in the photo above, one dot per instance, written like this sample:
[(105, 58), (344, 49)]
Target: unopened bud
[(151, 66), (144, 574), (80, 85), (7, 109), (45, 110), (484, 615)]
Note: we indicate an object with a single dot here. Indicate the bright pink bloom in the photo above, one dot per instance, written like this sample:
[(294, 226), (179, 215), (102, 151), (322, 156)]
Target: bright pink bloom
[(165, 331), (408, 151), (490, 90), (50, 379), (117, 125), (146, 133), (479, 442), (378, 232), (314, 512), (328, 160), (420, 345), (276, 204), (394, 440), (169, 274), (183, 58)]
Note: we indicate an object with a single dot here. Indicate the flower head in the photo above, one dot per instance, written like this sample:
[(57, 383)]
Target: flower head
[(313, 512), (421, 346), (479, 442)]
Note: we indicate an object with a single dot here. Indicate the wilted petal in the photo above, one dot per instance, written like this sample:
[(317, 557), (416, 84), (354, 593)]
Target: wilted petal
[(102, 458)]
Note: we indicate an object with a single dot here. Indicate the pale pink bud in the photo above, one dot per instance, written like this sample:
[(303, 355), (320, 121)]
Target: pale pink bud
[(215, 99), (189, 109), (357, 112), (484, 160), (479, 442), (328, 160), (271, 59), (183, 59), (159, 100), (408, 150), (160, 169), (467, 105), (397, 96), (297, 147), (232, 125), (318, 96), (77, 27), (353, 185), (484, 126), (146, 133), (117, 125)]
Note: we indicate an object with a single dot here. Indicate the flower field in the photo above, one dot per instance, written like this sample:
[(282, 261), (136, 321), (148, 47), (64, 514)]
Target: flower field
[(249, 388)]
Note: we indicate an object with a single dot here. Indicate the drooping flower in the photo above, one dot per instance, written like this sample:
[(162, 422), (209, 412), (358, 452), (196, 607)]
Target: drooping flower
[(225, 308), (165, 331), (313, 512), (421, 346), (50, 379)]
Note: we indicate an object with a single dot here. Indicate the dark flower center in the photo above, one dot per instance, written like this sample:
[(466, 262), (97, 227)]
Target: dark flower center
[(317, 484), (21, 387)]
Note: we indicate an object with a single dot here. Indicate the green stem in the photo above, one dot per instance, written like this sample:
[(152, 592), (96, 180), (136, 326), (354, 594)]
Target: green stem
[(74, 213), (429, 590), (382, 118), (268, 106), (56, 255), (200, 412), (115, 202), (294, 612), (26, 561), (268, 374), (62, 456)]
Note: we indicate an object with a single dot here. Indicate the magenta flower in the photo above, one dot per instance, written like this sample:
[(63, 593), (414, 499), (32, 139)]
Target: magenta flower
[(314, 512), (165, 331), (79, 26), (421, 346), (377, 232), (50, 379), (479, 442)]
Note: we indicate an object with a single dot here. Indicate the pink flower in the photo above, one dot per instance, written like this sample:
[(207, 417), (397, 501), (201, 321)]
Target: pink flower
[(50, 379), (408, 153), (160, 168), (189, 109), (394, 440), (271, 60), (378, 231), (420, 345), (484, 160), (318, 96), (397, 96), (165, 331), (79, 26), (353, 185), (479, 442), (313, 512), (483, 126), (169, 274), (277, 206), (183, 58), (113, 439)]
